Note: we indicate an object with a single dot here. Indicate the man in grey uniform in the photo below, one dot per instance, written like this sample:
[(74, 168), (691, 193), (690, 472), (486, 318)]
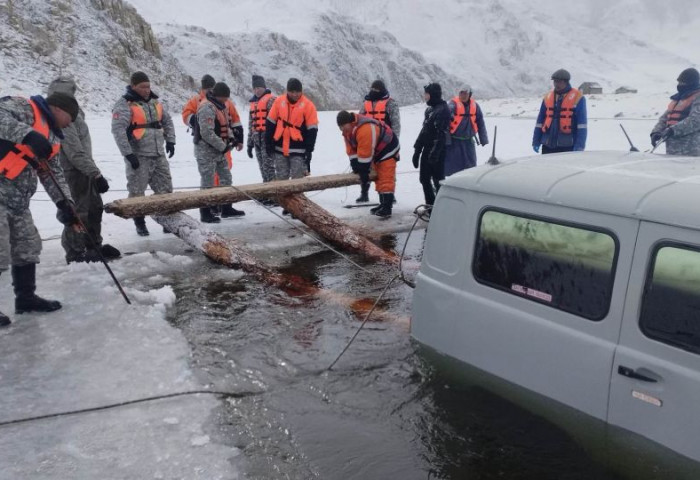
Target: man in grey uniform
[(680, 124), (140, 126), (30, 133), (86, 183), (214, 138), (260, 104)]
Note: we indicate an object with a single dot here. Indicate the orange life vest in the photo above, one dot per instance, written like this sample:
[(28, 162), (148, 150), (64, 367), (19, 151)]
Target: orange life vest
[(16, 159), (258, 112), (385, 141), (221, 127), (290, 118), (460, 111), (571, 99), (378, 112), (678, 110), (139, 122)]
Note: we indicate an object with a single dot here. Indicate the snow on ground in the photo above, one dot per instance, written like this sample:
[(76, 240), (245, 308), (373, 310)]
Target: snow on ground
[(97, 350)]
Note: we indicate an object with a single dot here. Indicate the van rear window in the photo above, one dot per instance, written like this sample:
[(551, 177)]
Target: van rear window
[(671, 303), (568, 267)]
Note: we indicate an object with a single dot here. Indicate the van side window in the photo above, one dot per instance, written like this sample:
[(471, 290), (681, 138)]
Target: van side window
[(567, 267), (671, 303)]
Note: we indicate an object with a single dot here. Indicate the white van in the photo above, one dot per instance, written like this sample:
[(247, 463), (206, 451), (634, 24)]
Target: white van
[(576, 276)]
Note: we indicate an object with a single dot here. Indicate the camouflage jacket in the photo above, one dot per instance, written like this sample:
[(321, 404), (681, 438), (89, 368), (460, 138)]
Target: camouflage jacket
[(16, 119), (392, 113), (76, 149), (152, 144), (686, 133)]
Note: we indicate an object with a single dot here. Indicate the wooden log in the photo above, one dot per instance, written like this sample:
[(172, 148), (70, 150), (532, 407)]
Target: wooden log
[(334, 230), (175, 202)]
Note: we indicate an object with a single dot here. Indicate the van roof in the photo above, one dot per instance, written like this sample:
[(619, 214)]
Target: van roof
[(657, 188)]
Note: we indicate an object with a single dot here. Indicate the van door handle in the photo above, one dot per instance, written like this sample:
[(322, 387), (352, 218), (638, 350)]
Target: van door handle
[(630, 373)]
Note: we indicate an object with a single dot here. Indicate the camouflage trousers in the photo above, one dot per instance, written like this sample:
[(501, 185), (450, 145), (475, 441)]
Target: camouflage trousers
[(88, 205), (211, 163), (20, 243), (266, 162), (153, 171), (292, 166)]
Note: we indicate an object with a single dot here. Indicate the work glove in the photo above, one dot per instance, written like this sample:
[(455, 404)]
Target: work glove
[(363, 171), (101, 184), (416, 157), (38, 144), (170, 148), (250, 151), (354, 165), (191, 120), (133, 160), (307, 159), (66, 213), (536, 148), (656, 138)]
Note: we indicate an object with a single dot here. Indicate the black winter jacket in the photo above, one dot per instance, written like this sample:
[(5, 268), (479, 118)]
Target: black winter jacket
[(432, 138)]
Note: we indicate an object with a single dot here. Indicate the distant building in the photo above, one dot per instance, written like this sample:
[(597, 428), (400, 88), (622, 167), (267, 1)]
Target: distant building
[(590, 88), (626, 90)]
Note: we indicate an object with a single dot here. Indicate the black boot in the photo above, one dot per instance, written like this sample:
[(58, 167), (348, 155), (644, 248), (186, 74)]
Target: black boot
[(373, 210), (205, 216), (364, 197), (387, 200), (227, 211), (24, 281), (141, 229)]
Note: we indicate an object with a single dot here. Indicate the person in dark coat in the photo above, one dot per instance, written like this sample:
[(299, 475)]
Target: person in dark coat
[(430, 146), (467, 122), (679, 125)]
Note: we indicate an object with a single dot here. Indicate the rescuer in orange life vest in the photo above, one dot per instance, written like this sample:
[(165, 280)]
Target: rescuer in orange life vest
[(370, 142), (30, 135), (680, 124), (140, 127), (260, 104), (562, 124), (379, 105), (467, 123)]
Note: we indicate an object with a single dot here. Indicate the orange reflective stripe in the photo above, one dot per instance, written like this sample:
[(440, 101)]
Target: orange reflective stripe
[(378, 111), (566, 114), (679, 109), (258, 112), (15, 161), (139, 122)]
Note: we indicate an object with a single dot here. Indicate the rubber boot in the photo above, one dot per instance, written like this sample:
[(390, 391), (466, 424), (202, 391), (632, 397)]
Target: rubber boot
[(205, 216), (387, 202), (373, 210), (227, 211), (4, 320), (24, 281), (364, 197), (141, 229)]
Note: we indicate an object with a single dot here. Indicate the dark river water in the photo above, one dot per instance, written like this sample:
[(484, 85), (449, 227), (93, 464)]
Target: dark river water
[(385, 411)]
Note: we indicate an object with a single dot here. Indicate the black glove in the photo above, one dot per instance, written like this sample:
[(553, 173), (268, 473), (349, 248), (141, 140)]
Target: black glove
[(307, 159), (363, 171), (170, 148), (354, 165), (656, 138), (250, 151), (192, 120), (101, 184), (38, 144), (133, 160), (416, 158), (66, 213)]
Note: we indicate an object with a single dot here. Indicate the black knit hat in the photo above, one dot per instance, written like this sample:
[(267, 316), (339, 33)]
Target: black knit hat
[(208, 82), (65, 102), (378, 85), (294, 85), (344, 117), (258, 81), (221, 90), (139, 77), (561, 74), (434, 89), (689, 76)]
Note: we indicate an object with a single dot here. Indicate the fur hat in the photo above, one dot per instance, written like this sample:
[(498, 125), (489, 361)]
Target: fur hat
[(65, 102), (221, 90), (258, 81), (294, 85), (345, 117), (207, 82), (138, 77)]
